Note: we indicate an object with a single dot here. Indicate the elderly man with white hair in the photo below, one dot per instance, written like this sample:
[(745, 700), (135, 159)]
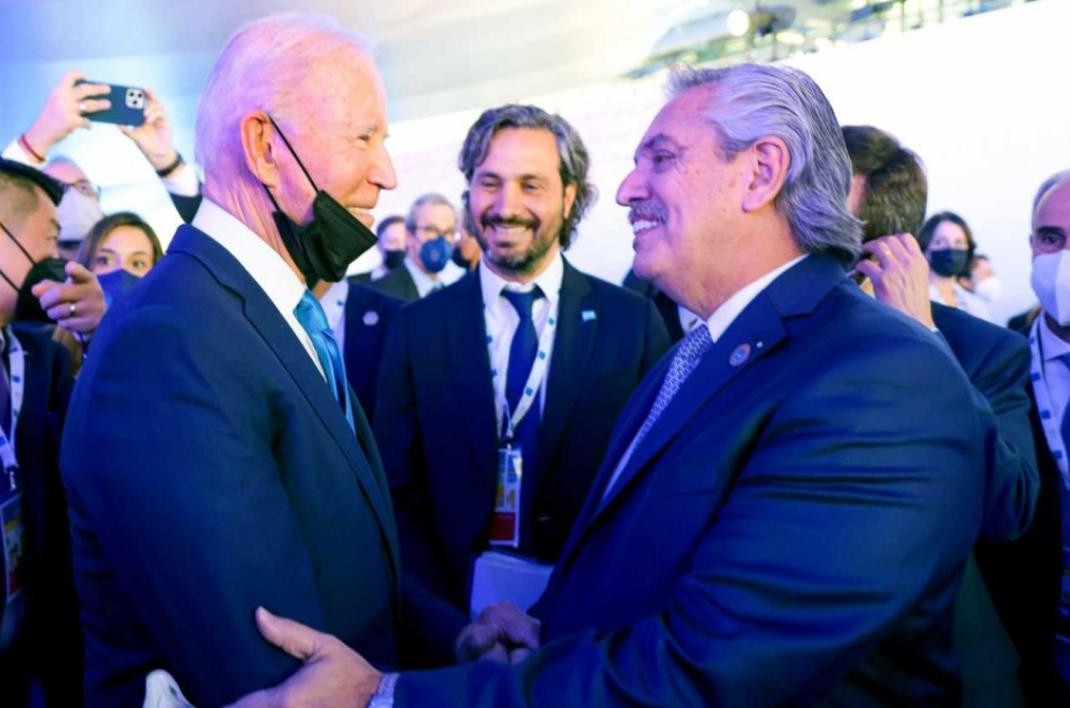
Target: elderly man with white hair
[(214, 457)]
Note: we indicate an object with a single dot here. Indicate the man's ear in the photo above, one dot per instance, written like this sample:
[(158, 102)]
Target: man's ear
[(260, 159), (769, 168), (570, 199)]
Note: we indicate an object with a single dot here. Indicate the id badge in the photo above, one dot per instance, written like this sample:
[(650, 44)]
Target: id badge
[(505, 523), (13, 547)]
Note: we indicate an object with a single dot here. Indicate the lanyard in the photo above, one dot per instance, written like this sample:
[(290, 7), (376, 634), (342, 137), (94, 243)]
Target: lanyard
[(507, 423), (17, 361), (1043, 396)]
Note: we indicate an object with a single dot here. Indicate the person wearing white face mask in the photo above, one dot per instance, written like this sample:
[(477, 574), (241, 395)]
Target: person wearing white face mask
[(1039, 574)]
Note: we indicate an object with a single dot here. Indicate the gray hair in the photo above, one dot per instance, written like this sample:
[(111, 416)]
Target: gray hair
[(422, 201), (264, 66), (573, 164), (757, 100), (1049, 184)]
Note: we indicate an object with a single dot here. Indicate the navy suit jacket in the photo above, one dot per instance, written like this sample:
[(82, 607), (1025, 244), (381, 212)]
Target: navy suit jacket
[(51, 644), (793, 528), (435, 419), (210, 470), (369, 314), (398, 283)]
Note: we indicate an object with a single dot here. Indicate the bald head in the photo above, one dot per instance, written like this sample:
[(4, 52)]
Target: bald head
[(65, 170), (1051, 184), (274, 65)]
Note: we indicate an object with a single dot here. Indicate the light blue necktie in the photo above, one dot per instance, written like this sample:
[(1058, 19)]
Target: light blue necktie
[(310, 314)]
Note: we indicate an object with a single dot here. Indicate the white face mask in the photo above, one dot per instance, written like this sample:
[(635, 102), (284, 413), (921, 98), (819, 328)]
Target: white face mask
[(77, 215), (989, 289), (1051, 283)]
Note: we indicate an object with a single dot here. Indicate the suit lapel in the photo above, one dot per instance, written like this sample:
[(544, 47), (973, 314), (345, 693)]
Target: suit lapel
[(265, 318), (466, 334), (757, 330), (573, 343)]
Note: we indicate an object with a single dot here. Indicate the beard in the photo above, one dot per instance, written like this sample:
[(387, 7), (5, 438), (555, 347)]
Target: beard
[(527, 260)]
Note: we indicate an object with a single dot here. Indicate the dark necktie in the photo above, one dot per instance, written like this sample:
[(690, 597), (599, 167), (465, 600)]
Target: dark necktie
[(1064, 427), (310, 314), (522, 353), (5, 387)]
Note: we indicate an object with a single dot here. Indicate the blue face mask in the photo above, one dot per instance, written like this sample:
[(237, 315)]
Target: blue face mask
[(116, 283), (435, 254)]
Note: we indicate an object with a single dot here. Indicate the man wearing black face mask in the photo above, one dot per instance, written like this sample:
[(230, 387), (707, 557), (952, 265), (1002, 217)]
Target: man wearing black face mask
[(39, 635), (241, 461), (430, 236)]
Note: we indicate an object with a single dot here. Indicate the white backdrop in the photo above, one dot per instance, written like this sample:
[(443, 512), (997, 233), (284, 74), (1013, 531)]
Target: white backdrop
[(980, 99)]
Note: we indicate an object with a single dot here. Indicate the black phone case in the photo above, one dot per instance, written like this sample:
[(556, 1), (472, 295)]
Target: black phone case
[(127, 105)]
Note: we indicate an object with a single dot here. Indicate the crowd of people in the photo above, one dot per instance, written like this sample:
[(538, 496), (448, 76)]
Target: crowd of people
[(791, 459)]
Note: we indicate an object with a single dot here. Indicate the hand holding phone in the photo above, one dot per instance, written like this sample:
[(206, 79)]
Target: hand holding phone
[(62, 113), (127, 105)]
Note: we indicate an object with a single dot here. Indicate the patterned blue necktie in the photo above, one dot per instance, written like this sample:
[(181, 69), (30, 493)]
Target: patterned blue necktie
[(688, 355), (522, 354), (310, 314)]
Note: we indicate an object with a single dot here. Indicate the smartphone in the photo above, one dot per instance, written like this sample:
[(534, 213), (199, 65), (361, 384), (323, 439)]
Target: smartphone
[(127, 105)]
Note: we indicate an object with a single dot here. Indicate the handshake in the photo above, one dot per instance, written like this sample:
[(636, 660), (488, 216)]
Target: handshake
[(334, 674)]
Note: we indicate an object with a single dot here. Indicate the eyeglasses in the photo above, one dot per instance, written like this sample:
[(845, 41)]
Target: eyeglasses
[(85, 187)]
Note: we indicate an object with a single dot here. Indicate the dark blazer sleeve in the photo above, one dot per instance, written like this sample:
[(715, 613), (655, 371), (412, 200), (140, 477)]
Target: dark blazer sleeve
[(210, 506), (740, 626), (397, 432), (997, 363)]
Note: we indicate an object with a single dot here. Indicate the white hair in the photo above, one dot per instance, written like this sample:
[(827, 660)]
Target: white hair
[(1049, 184), (264, 66)]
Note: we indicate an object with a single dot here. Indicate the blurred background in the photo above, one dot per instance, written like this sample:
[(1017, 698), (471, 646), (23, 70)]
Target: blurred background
[(970, 85)]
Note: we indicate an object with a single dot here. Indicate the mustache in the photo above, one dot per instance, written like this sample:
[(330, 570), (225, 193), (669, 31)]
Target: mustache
[(645, 210), (490, 220)]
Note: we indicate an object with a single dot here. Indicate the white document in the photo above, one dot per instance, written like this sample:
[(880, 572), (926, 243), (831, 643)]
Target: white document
[(500, 576)]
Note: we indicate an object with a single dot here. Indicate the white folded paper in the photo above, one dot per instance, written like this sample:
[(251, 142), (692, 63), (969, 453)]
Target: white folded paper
[(499, 576)]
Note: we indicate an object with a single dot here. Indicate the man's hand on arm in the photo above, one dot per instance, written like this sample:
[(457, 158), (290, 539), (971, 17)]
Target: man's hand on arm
[(501, 633), (332, 675), (900, 276), (62, 112), (76, 305)]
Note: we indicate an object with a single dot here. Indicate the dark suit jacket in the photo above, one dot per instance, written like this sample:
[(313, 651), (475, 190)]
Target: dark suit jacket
[(435, 419), (1023, 321), (186, 206), (792, 529), (667, 308), (51, 643), (369, 314), (398, 283), (210, 470)]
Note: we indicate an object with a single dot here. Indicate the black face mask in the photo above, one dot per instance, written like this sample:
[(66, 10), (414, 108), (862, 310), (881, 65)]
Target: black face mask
[(27, 307), (323, 249), (393, 259), (949, 262)]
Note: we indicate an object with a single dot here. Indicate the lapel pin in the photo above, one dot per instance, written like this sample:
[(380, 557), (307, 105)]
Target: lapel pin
[(739, 355), (371, 318), (588, 315)]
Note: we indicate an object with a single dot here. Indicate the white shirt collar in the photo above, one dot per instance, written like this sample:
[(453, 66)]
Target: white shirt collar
[(1052, 346), (729, 310), (261, 261), (425, 283), (549, 281)]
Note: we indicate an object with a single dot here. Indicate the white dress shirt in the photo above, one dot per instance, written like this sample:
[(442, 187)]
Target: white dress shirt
[(334, 306), (717, 323), (425, 283), (502, 319), (688, 319), (1056, 372), (262, 263)]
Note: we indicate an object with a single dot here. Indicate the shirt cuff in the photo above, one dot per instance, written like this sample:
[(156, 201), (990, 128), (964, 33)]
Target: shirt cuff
[(15, 152), (183, 182), (384, 695)]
